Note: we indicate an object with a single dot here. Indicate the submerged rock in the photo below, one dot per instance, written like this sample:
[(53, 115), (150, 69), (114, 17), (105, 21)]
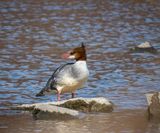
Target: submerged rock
[(153, 100), (76, 107), (144, 47)]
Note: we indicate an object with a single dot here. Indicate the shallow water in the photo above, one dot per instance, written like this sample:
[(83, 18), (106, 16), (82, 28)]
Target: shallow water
[(33, 35), (127, 121)]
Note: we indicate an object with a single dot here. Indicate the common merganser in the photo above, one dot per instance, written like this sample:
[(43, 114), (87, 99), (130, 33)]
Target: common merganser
[(68, 77)]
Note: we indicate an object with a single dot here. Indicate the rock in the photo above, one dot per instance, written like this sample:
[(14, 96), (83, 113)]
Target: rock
[(49, 111), (144, 47), (76, 107), (153, 100)]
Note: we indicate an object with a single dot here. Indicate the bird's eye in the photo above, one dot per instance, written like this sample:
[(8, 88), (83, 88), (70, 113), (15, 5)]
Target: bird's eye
[(72, 53)]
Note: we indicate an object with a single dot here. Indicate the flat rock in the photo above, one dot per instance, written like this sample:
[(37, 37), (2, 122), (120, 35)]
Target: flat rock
[(49, 111), (144, 47), (76, 107), (153, 100)]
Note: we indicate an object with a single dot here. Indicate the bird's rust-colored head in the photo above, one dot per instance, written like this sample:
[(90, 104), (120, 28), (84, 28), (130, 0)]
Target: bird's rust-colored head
[(78, 53)]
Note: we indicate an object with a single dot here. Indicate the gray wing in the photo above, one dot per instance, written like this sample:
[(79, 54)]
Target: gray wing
[(56, 78)]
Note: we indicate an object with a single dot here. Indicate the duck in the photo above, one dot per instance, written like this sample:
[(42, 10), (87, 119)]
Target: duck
[(68, 77)]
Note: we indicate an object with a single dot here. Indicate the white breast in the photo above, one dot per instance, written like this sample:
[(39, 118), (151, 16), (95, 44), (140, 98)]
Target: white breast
[(72, 83), (81, 67)]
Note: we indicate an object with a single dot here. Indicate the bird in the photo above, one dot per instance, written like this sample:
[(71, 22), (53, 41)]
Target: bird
[(68, 77)]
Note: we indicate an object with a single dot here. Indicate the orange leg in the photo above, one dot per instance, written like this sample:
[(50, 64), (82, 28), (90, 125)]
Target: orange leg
[(58, 96)]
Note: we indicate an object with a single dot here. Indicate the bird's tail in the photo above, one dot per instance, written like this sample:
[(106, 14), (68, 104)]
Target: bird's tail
[(46, 91), (41, 93), (49, 88)]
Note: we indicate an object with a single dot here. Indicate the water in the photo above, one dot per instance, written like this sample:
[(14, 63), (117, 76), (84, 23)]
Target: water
[(34, 34)]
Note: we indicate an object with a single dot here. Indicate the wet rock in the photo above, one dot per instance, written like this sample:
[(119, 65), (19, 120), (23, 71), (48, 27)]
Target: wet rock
[(76, 107), (144, 47), (153, 100)]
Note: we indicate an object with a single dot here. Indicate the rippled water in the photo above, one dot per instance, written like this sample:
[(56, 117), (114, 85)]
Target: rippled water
[(33, 35)]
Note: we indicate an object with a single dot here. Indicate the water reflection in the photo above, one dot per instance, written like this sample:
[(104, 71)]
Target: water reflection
[(113, 122)]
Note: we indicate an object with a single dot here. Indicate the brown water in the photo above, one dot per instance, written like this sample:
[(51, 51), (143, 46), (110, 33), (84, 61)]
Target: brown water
[(129, 122), (33, 35)]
